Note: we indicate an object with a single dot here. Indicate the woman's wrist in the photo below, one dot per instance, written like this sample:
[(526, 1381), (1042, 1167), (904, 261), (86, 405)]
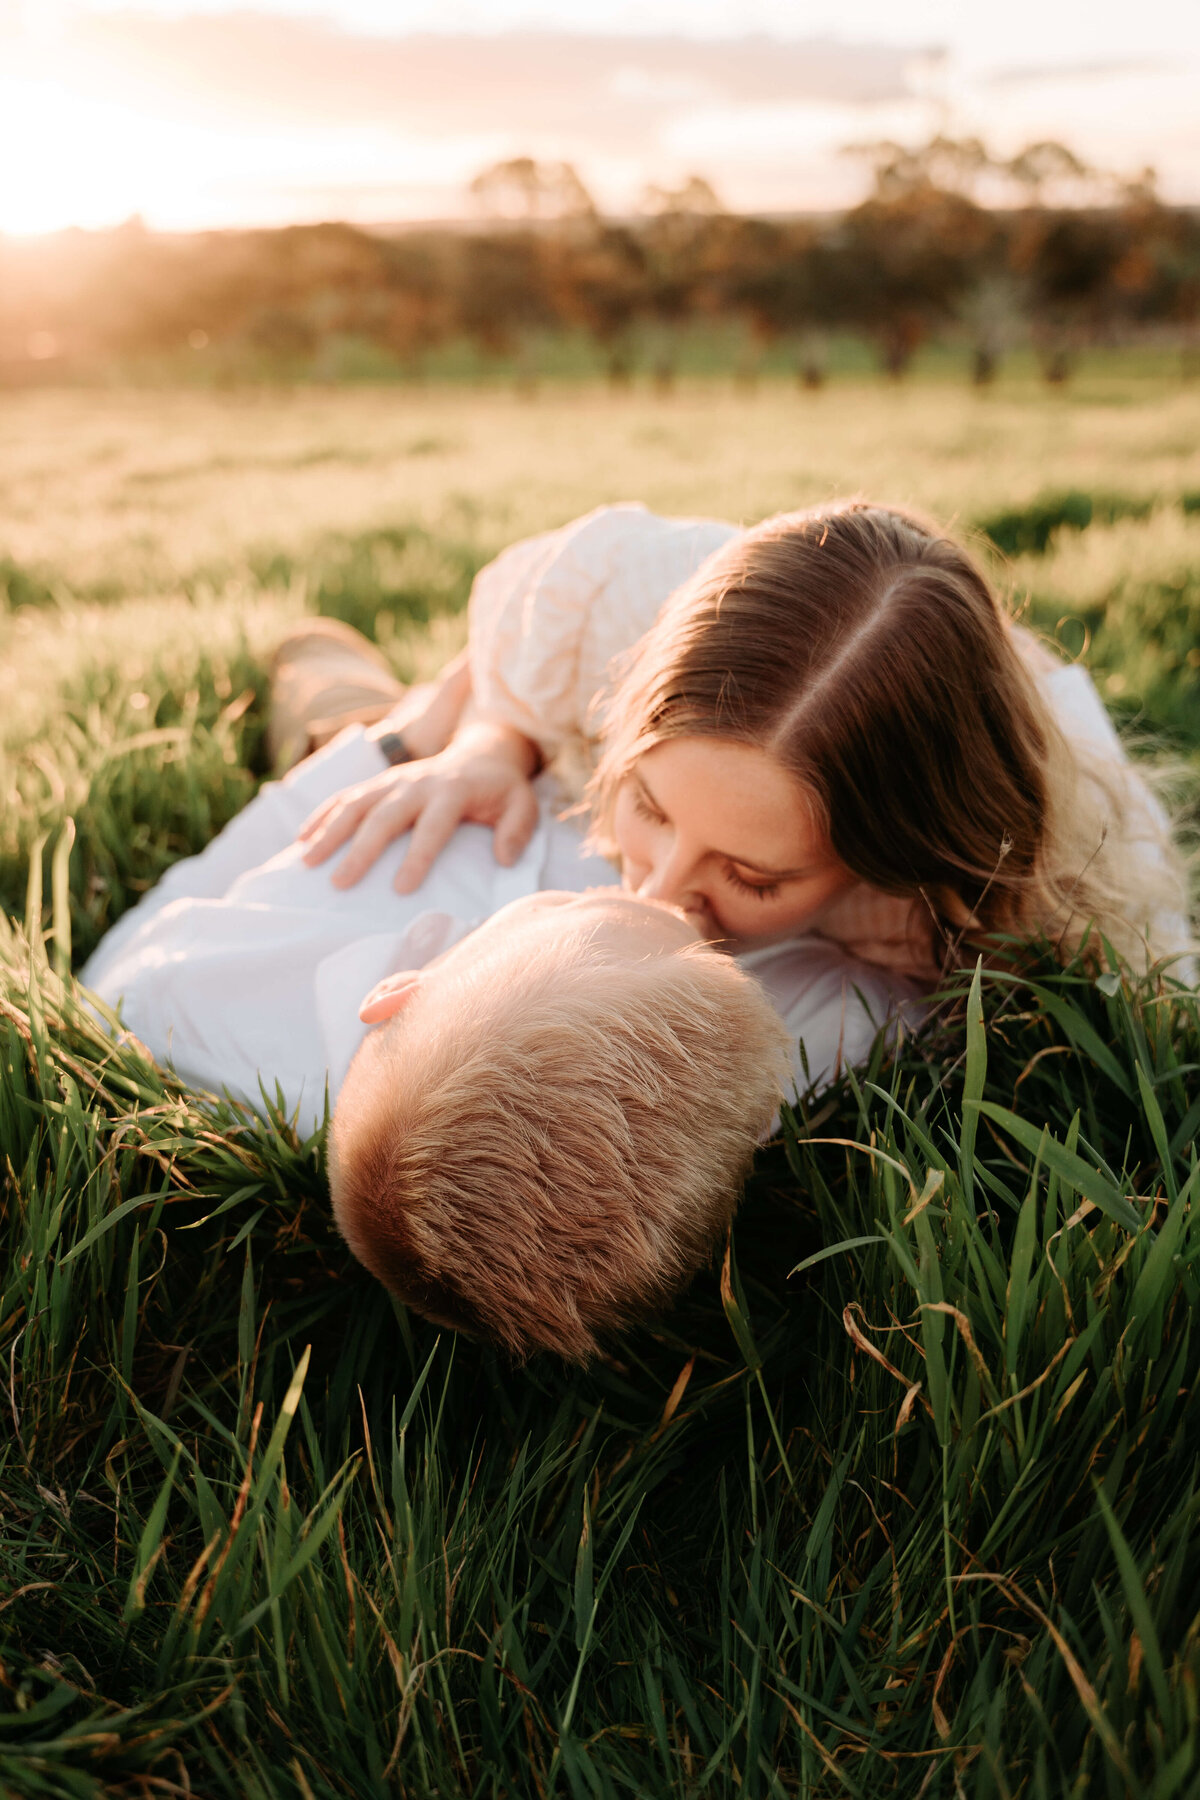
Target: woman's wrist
[(425, 718), (395, 745), (480, 736)]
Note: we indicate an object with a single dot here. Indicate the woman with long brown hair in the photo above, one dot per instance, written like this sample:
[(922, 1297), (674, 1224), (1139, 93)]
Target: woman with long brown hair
[(827, 724)]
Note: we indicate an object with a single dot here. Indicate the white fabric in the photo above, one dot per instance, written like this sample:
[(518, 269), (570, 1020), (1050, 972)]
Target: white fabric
[(551, 614), (1081, 715), (246, 965)]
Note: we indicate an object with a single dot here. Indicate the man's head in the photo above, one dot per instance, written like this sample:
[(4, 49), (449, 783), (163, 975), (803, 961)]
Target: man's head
[(551, 1127)]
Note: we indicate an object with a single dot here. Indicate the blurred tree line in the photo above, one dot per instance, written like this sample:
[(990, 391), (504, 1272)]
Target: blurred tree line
[(950, 242)]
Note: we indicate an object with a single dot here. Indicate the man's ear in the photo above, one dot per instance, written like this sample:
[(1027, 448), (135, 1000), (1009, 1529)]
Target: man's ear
[(389, 996)]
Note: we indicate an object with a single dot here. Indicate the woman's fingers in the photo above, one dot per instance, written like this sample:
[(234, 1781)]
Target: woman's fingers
[(431, 833), (331, 832), (431, 801), (516, 823), (386, 820), (327, 829), (317, 817)]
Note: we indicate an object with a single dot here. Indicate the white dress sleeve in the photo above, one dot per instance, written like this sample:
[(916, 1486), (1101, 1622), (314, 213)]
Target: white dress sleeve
[(550, 614), (1081, 715)]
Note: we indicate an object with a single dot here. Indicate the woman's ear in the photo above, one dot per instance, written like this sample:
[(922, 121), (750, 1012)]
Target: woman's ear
[(389, 996)]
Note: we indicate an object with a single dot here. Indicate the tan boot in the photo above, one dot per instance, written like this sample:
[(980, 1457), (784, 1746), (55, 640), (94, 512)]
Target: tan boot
[(324, 675)]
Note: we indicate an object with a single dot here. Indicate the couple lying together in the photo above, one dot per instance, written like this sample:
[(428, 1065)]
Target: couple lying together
[(819, 766)]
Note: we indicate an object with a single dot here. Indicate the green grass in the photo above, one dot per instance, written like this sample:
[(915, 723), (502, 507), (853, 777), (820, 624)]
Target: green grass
[(710, 349), (920, 1518)]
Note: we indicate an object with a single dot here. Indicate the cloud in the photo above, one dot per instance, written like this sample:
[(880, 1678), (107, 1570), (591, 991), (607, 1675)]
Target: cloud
[(198, 118), (1018, 76), (207, 118), (611, 89)]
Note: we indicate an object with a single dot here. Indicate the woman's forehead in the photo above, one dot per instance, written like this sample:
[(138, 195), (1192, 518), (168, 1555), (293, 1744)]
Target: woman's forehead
[(737, 797)]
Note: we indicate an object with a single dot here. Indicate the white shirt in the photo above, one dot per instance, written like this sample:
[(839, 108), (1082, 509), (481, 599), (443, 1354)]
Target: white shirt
[(244, 968)]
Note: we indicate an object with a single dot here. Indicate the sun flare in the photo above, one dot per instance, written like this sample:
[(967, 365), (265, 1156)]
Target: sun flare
[(83, 161)]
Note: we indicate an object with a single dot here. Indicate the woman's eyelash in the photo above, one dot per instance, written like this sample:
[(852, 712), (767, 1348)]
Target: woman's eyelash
[(643, 806), (761, 891)]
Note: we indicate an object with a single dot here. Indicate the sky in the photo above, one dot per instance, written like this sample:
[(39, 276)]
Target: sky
[(193, 114)]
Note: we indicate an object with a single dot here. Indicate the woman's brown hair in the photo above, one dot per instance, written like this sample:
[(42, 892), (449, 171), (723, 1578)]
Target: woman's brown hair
[(866, 652)]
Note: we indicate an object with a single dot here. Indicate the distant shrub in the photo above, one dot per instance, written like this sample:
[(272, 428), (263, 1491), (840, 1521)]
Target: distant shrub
[(1027, 530), (20, 586), (380, 580)]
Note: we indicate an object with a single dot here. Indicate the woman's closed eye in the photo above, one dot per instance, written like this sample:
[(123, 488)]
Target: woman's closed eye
[(654, 815), (643, 806), (762, 890)]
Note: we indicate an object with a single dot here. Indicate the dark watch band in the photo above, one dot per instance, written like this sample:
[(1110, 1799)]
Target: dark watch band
[(394, 747)]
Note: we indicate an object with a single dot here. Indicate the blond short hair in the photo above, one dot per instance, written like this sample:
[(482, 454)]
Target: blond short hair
[(538, 1159)]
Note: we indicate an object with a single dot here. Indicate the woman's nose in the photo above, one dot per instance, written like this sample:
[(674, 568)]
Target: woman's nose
[(671, 877)]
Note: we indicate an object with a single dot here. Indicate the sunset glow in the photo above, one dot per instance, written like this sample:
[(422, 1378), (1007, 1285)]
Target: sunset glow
[(83, 160), (193, 117)]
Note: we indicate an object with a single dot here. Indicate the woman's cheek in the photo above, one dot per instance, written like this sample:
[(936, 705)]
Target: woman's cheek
[(744, 917), (797, 908)]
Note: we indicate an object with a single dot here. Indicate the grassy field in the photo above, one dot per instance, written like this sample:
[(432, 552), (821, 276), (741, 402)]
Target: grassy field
[(134, 492), (922, 1518)]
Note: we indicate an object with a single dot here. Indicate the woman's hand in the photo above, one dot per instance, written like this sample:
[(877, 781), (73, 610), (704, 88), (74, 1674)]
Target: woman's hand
[(482, 778)]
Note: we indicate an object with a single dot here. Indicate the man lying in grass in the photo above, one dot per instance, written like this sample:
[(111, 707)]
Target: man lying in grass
[(547, 1128), (830, 729)]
